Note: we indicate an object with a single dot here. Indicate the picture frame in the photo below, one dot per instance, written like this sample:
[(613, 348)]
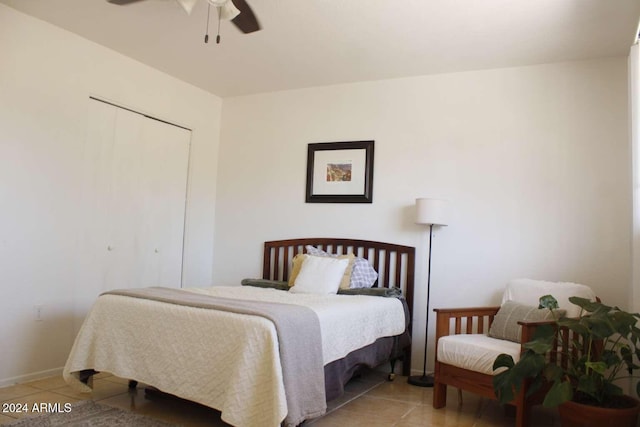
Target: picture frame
[(340, 172)]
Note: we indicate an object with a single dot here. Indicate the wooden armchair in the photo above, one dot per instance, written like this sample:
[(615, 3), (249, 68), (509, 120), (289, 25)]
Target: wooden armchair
[(465, 330)]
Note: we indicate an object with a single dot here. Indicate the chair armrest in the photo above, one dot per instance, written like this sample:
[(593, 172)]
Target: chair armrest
[(473, 319), (529, 328)]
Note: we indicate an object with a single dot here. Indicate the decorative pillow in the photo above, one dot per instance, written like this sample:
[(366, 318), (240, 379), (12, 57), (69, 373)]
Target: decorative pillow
[(299, 259), (320, 275), (363, 274), (505, 323), (264, 283), (295, 267)]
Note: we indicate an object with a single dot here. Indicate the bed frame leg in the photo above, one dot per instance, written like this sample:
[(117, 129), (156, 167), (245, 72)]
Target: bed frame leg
[(392, 375), (86, 377)]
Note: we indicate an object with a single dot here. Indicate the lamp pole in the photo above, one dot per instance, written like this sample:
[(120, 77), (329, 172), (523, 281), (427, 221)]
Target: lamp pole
[(425, 380), (431, 212)]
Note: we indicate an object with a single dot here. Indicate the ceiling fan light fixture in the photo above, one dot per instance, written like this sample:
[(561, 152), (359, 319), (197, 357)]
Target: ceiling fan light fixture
[(226, 8), (187, 5)]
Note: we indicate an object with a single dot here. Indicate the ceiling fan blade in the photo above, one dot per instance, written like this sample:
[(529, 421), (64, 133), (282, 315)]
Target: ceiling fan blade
[(246, 21), (123, 2)]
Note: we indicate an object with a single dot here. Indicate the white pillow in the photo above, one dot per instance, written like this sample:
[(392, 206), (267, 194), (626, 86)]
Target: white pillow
[(320, 275), (363, 275)]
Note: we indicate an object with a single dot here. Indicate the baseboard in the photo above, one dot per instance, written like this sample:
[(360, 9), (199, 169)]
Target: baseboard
[(30, 377), (420, 371)]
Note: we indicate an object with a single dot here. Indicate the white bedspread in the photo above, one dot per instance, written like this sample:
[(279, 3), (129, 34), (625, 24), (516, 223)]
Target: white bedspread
[(347, 322), (224, 360)]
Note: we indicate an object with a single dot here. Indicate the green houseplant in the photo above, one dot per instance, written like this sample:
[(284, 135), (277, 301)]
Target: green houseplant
[(601, 346)]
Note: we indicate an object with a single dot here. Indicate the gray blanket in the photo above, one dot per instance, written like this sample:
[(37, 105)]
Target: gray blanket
[(299, 340)]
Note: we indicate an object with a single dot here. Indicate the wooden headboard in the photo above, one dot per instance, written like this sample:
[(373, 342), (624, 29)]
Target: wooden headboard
[(395, 264)]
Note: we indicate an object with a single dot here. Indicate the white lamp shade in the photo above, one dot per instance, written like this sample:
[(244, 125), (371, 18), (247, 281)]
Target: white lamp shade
[(432, 211)]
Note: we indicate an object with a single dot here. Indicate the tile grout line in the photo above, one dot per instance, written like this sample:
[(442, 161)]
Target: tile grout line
[(357, 396)]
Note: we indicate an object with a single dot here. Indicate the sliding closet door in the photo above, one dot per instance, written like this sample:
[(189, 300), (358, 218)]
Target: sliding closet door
[(162, 203), (135, 192), (119, 192)]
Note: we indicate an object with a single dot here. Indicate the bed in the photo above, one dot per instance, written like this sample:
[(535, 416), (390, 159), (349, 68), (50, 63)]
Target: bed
[(260, 355)]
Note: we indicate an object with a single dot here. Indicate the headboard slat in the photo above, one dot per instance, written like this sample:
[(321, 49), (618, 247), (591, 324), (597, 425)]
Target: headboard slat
[(387, 266), (398, 268)]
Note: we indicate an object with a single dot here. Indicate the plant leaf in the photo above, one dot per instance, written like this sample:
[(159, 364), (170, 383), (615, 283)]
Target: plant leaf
[(503, 361), (535, 385), (504, 386), (553, 372), (588, 305), (611, 389), (559, 392), (588, 385), (548, 301), (599, 367), (529, 365), (542, 340)]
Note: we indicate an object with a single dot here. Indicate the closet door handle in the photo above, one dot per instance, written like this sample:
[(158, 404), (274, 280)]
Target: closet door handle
[(110, 248), (156, 251)]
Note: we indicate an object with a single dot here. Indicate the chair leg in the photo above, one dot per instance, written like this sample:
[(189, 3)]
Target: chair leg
[(459, 397), (439, 395), (522, 416), (523, 409), (509, 411)]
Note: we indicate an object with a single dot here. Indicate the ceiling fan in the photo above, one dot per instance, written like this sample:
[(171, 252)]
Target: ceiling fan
[(236, 11)]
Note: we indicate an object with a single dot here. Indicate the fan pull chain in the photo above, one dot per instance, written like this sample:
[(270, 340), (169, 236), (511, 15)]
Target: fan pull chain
[(218, 36), (206, 36)]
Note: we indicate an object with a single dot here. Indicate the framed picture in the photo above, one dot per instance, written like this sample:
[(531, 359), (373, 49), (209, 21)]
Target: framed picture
[(340, 172)]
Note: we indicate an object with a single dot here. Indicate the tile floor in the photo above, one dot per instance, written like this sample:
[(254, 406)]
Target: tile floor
[(368, 401)]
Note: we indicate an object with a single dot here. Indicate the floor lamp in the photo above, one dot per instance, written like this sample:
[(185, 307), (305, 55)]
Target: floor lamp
[(428, 212)]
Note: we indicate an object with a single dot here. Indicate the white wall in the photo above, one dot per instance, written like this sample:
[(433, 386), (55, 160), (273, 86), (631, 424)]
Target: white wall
[(634, 130), (46, 78), (535, 161)]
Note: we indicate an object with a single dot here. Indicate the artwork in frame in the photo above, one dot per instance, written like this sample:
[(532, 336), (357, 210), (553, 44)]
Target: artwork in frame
[(340, 172)]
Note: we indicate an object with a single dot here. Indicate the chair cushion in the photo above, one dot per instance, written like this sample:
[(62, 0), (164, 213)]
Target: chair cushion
[(528, 292), (475, 352)]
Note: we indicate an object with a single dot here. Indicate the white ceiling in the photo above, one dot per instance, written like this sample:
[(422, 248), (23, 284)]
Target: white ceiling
[(308, 43)]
